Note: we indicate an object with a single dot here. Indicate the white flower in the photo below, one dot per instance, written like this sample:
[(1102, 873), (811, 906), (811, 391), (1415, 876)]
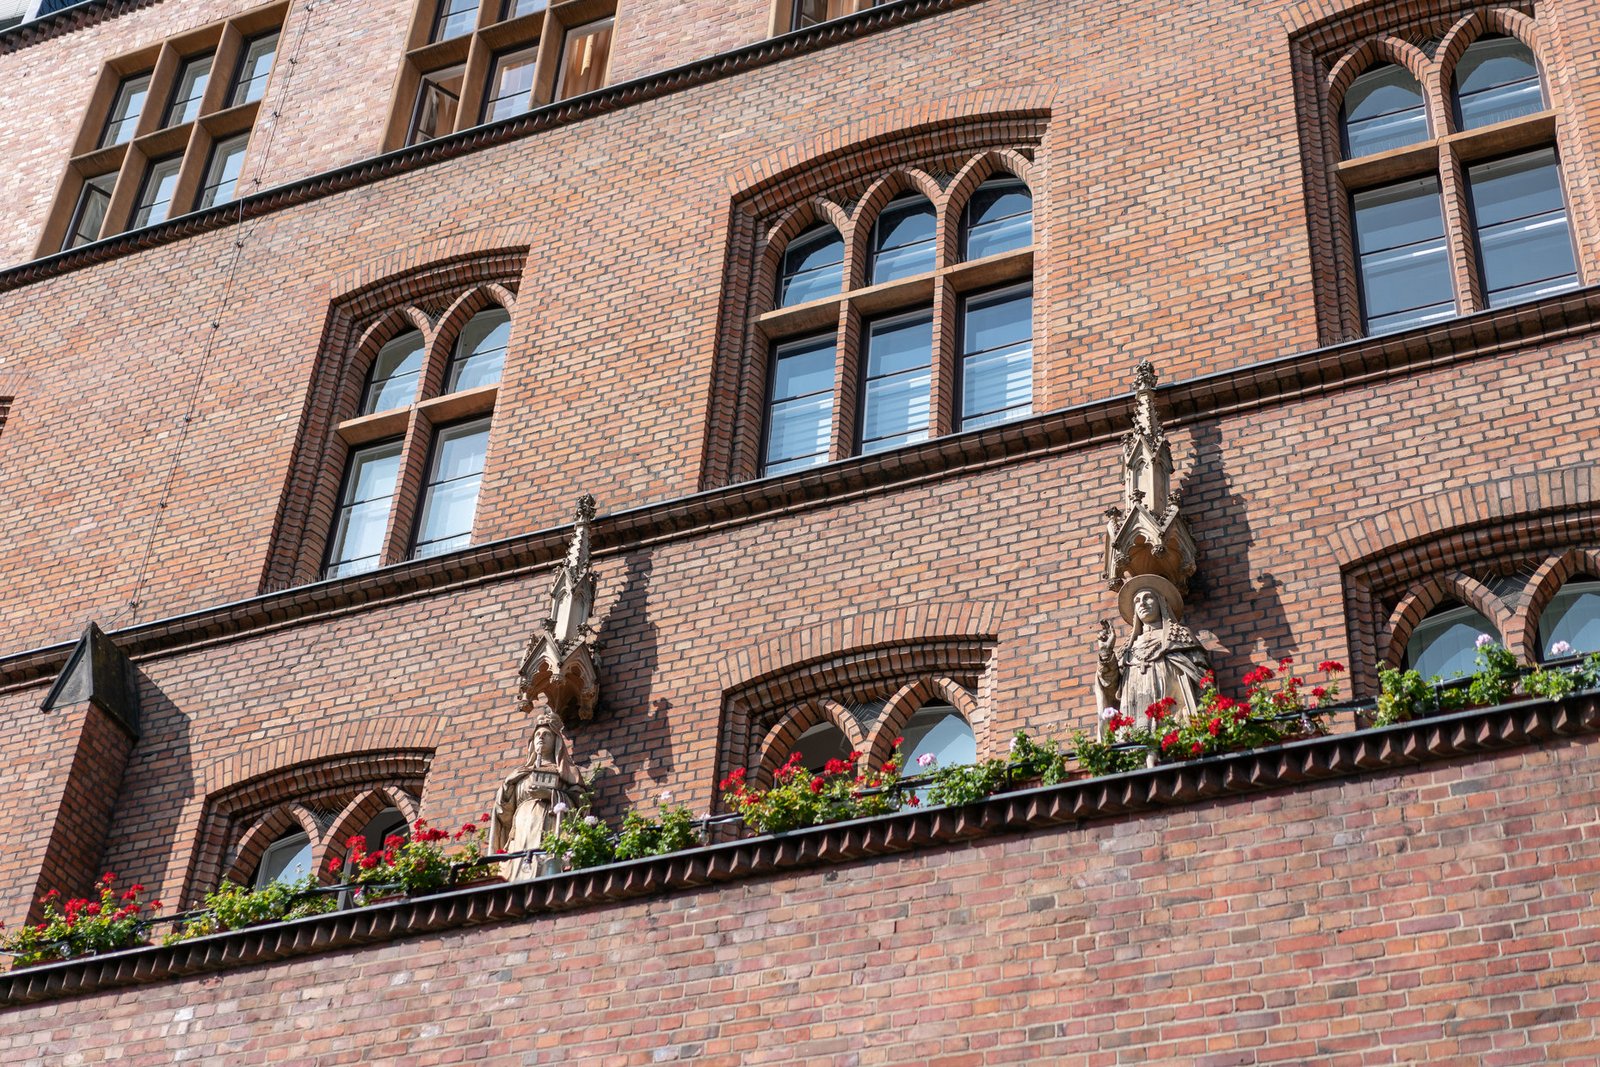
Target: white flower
[(590, 820), (1484, 641), (927, 759), (1560, 648), (666, 796), (1014, 741), (559, 808), (1109, 713)]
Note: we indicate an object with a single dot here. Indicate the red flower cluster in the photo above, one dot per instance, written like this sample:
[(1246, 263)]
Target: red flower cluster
[(1118, 721), (1160, 709), (1330, 666)]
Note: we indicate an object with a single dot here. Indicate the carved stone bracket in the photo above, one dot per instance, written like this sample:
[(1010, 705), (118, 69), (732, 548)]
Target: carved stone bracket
[(1148, 533)]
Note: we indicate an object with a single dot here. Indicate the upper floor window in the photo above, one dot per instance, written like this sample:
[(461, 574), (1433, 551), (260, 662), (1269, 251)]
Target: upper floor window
[(470, 62), (803, 14), (852, 362), (1570, 623), (165, 133), (417, 443), (1445, 643), (287, 859), (1435, 222)]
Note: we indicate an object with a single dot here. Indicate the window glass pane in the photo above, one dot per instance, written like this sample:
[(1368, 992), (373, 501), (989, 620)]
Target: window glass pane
[(364, 509), (438, 101), (813, 266), (1405, 268), (1382, 110), (996, 358), (393, 381), (191, 86), (450, 502), (584, 56), (255, 69), (126, 109), (222, 173), (480, 352), (940, 731), (800, 417), (1524, 245), (511, 86), (1445, 643), (1573, 616), (902, 239), (155, 197), (287, 859), (90, 214), (998, 218), (820, 744), (1496, 79), (517, 8), (387, 822), (455, 18), (898, 364)]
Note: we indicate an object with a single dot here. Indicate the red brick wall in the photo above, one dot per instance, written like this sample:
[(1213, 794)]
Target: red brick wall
[(1442, 914)]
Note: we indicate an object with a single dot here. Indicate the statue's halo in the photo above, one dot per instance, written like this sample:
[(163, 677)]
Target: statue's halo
[(1163, 588)]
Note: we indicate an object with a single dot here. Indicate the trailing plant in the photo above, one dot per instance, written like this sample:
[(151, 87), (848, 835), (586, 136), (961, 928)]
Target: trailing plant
[(964, 783), (83, 926), (671, 831), (1029, 759), (582, 841), (1402, 696), (798, 798), (1099, 756), (232, 906), (1497, 673)]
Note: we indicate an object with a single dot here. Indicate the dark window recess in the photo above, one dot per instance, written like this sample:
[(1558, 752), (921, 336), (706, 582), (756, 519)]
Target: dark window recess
[(90, 214)]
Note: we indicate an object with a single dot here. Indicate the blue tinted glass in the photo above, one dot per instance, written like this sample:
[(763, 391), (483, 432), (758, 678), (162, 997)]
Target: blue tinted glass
[(813, 267), (1524, 244), (393, 382), (997, 358), (998, 218), (1445, 644), (1496, 80), (803, 367), (798, 432), (1573, 617), (1383, 109), (899, 344), (1405, 267), (902, 239), (480, 352)]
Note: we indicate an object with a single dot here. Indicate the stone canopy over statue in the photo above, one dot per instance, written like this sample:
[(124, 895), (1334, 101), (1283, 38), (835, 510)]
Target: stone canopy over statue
[(1150, 556)]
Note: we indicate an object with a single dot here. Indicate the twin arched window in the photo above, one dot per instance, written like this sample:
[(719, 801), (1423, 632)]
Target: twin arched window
[(1444, 643), (936, 729), (1514, 224), (863, 326)]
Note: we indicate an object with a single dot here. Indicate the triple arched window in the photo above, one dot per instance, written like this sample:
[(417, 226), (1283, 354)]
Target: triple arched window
[(908, 319), (1450, 164)]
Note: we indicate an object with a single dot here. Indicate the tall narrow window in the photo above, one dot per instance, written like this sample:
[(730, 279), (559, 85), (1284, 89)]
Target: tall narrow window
[(511, 86), (90, 214), (155, 195), (450, 500), (126, 107), (438, 100), (1496, 79), (585, 54), (369, 483), (1383, 109), (1572, 619), (392, 382), (897, 374), (1520, 216), (998, 218), (480, 353), (222, 170), (455, 18), (800, 412), (254, 69), (189, 89), (902, 239), (1405, 267), (1445, 643), (996, 357), (813, 266)]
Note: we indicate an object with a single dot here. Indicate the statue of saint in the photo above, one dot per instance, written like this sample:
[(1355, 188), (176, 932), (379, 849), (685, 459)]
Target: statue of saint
[(522, 807), (1161, 658)]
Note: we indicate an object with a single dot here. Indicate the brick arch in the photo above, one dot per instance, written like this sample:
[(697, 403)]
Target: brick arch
[(1494, 20), (902, 180), (1522, 636), (448, 263), (396, 740), (1417, 604), (780, 739), (974, 173), (1372, 52), (361, 810), (911, 698), (268, 828), (789, 225)]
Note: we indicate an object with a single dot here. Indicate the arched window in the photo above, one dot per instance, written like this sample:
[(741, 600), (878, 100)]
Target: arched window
[(1572, 617), (998, 218), (813, 266), (392, 382), (940, 731), (480, 353), (1445, 643), (821, 743), (903, 239), (1496, 79), (288, 859), (387, 822), (1383, 109)]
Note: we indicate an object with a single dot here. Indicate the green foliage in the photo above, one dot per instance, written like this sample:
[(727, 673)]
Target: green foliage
[(83, 926), (798, 798), (968, 782), (232, 907), (1033, 760), (416, 864), (1553, 684), (1097, 756), (1496, 676), (582, 841), (673, 831), (1403, 695)]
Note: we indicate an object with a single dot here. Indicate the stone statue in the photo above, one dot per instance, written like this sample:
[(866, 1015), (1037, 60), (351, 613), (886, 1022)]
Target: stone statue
[(1161, 658), (523, 806)]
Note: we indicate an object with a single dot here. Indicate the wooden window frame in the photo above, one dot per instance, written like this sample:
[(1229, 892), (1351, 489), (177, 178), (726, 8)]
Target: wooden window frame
[(153, 139), (476, 52)]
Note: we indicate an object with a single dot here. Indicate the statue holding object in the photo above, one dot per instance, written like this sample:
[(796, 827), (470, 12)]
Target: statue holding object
[(526, 805)]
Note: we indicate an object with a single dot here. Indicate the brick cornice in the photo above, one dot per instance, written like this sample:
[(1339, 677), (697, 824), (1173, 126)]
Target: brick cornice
[(1394, 748), (1259, 386)]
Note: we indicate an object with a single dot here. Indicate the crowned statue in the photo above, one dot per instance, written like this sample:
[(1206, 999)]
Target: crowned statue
[(530, 800)]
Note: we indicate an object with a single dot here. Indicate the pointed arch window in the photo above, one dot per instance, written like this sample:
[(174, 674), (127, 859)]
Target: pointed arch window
[(287, 859), (1383, 110), (1496, 79), (1572, 619), (813, 266), (1444, 644), (998, 218), (902, 239)]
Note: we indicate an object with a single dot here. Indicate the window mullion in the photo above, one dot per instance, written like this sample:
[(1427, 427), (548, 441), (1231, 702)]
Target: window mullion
[(846, 383), (408, 487), (1458, 231), (942, 383)]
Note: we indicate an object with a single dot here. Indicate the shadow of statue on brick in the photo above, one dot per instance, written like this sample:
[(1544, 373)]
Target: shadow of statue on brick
[(1149, 557), (636, 740)]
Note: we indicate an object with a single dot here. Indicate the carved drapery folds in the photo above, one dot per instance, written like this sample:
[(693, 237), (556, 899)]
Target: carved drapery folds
[(1150, 556), (530, 800), (559, 664)]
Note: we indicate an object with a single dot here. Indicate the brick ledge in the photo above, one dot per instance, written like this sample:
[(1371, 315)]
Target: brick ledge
[(1481, 730)]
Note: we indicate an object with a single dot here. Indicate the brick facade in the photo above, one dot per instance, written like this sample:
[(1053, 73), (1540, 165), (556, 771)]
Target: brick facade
[(170, 466)]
